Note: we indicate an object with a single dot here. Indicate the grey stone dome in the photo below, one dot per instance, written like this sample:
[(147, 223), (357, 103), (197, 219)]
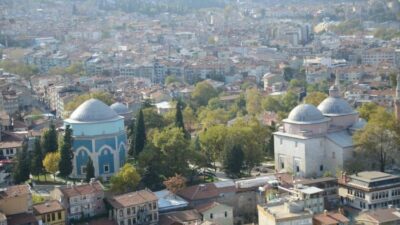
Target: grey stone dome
[(119, 108), (335, 106), (305, 113), (93, 110)]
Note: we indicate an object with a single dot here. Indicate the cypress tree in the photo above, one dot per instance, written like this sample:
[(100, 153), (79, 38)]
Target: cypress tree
[(22, 168), (131, 137), (179, 119), (89, 170), (234, 160), (37, 158), (140, 134), (50, 139), (66, 155)]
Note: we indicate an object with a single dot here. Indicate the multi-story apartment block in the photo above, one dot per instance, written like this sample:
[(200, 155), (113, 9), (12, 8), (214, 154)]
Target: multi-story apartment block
[(45, 60), (370, 190), (133, 208), (82, 200), (379, 55)]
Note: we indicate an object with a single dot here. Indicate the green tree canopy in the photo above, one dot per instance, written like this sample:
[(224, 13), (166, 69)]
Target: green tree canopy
[(50, 139), (22, 168), (37, 158), (140, 134), (126, 180), (66, 155), (202, 93), (89, 170), (315, 98)]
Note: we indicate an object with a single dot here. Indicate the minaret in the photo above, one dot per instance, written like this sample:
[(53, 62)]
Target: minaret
[(397, 99)]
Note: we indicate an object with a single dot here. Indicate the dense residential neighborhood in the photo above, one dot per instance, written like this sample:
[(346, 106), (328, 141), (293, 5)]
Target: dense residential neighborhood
[(199, 112)]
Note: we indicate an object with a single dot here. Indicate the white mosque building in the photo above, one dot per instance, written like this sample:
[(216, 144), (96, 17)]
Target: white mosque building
[(314, 140)]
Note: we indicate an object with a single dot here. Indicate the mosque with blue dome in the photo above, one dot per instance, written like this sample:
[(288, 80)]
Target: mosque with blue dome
[(99, 134)]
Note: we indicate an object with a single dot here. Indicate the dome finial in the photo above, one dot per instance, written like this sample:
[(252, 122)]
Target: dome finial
[(334, 90)]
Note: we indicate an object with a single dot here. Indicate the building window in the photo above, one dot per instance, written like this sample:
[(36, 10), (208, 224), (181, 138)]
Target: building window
[(106, 168), (297, 168), (48, 217), (211, 215), (128, 212), (282, 165), (53, 216), (154, 205), (59, 216), (321, 167), (133, 210), (121, 222), (226, 214), (121, 212), (134, 221), (129, 222), (83, 169)]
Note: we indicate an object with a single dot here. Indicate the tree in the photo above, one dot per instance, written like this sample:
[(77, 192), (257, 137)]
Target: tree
[(89, 170), (153, 167), (202, 93), (175, 183), (213, 142), (152, 119), (233, 160), (140, 138), (175, 149), (171, 79), (190, 118), (125, 180), (179, 119), (253, 101), (50, 139), (37, 158), (378, 141), (368, 109), (131, 137), (50, 163), (22, 168), (315, 98), (66, 155), (288, 73)]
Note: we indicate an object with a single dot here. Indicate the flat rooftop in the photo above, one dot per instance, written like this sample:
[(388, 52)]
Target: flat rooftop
[(370, 176), (281, 212)]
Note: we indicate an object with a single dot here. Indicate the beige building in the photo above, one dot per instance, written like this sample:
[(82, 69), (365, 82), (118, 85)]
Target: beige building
[(16, 199), (216, 212), (50, 213), (370, 190), (288, 213), (389, 216), (81, 200), (132, 208)]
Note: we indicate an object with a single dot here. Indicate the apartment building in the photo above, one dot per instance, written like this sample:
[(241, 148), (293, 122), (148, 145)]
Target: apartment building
[(84, 200), (132, 208), (370, 190)]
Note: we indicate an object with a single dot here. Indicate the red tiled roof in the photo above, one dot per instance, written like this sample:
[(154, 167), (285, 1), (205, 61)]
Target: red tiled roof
[(15, 190), (132, 198), (95, 187), (204, 191), (46, 207), (179, 217), (204, 207), (22, 219)]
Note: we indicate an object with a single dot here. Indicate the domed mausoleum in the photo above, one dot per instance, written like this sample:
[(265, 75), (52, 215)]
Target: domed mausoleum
[(314, 140), (99, 134), (122, 110)]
